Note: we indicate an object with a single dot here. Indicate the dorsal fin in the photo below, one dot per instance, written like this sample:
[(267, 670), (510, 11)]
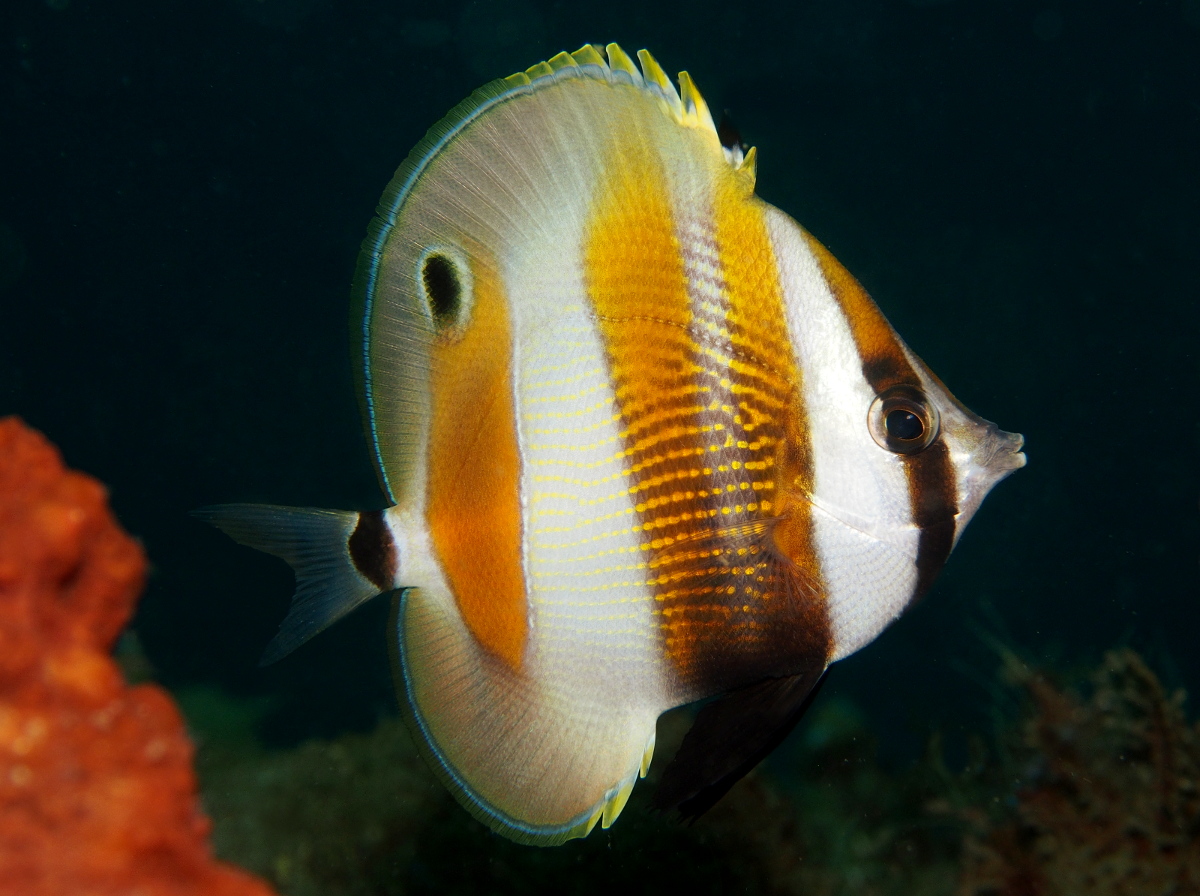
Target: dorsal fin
[(731, 735), (395, 412)]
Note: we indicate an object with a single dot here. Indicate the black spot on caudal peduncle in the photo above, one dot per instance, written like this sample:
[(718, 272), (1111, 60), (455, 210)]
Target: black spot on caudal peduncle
[(373, 551), (443, 290)]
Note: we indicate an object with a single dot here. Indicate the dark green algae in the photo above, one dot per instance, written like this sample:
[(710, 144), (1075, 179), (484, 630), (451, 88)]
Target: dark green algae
[(361, 815), (1088, 786)]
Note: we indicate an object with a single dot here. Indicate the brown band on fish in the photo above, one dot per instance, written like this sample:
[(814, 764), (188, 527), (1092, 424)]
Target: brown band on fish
[(373, 550), (692, 318), (781, 597), (934, 503), (933, 499)]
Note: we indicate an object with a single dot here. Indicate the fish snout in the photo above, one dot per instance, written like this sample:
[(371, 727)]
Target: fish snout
[(1005, 454), (990, 454)]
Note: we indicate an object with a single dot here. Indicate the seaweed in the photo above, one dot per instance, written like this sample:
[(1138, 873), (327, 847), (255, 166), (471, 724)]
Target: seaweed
[(361, 815), (1103, 795), (1087, 790)]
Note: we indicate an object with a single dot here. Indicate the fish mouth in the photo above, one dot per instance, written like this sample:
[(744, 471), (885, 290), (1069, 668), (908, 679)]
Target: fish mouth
[(997, 454), (1005, 455)]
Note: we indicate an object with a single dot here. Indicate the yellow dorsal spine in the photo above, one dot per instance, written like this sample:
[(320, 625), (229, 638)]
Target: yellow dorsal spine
[(749, 166), (539, 70), (561, 61), (520, 79), (588, 55), (695, 110), (619, 61), (653, 74)]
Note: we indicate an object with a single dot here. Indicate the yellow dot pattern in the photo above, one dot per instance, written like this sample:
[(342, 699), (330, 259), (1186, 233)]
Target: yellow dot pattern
[(713, 435)]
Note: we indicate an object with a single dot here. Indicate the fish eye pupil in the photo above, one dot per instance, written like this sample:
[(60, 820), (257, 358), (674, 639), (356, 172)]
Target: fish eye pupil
[(443, 289), (903, 425)]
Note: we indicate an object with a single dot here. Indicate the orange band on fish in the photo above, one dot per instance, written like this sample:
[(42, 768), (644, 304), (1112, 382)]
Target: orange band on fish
[(473, 507)]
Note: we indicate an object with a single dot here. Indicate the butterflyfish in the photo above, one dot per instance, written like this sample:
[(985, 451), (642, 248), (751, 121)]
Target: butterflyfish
[(645, 441)]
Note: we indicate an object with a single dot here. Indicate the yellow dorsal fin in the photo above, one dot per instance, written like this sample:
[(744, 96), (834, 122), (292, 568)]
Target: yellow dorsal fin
[(392, 346), (686, 104)]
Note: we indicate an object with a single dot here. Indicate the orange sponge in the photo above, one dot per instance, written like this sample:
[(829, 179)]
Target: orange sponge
[(97, 791)]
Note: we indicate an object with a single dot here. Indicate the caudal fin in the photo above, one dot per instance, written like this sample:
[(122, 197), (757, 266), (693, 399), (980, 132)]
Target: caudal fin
[(341, 559)]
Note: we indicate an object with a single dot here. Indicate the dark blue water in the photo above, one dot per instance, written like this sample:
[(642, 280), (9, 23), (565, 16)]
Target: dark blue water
[(185, 186)]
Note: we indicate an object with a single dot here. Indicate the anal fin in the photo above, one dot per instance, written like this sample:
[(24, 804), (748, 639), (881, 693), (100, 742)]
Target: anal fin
[(534, 756), (730, 736)]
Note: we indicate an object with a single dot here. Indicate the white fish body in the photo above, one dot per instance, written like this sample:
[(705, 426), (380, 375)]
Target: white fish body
[(647, 442)]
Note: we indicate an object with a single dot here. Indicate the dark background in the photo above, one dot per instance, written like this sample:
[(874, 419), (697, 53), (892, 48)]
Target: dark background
[(183, 188)]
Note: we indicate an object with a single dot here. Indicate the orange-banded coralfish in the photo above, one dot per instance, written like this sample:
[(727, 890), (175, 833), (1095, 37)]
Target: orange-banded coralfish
[(646, 442)]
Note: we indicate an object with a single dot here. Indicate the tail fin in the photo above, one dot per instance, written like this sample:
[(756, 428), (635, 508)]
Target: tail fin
[(341, 559)]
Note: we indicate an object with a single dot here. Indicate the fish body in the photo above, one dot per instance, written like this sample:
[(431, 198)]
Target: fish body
[(646, 442)]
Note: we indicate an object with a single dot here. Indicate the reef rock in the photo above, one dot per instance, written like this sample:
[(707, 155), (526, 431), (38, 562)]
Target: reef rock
[(97, 791)]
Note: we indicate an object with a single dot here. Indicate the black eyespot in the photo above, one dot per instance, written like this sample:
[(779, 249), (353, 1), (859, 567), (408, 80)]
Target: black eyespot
[(443, 290), (903, 425), (903, 421)]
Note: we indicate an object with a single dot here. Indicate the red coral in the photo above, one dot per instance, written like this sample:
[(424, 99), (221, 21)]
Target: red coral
[(97, 792)]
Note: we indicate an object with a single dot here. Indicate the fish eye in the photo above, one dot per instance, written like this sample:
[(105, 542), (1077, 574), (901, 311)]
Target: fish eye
[(902, 420)]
